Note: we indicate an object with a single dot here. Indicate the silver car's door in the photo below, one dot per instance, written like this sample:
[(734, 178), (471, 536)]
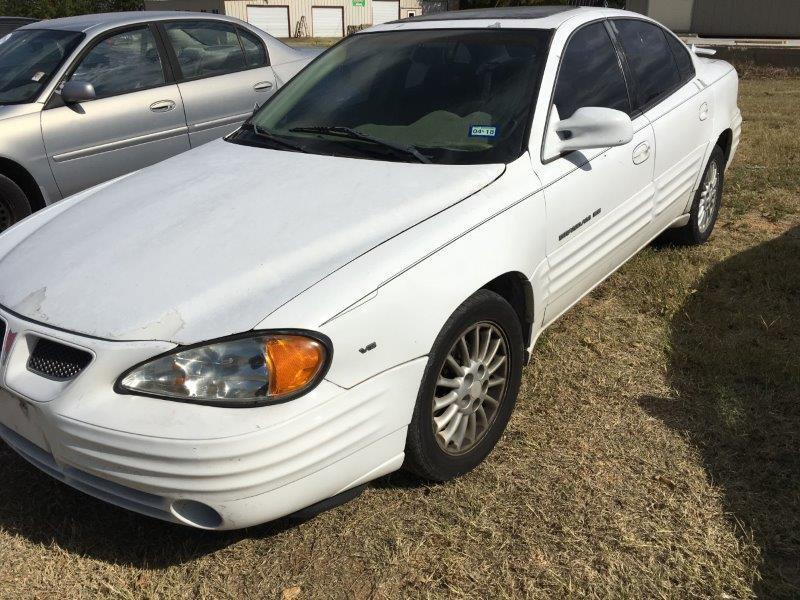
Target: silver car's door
[(224, 73), (136, 120), (599, 201)]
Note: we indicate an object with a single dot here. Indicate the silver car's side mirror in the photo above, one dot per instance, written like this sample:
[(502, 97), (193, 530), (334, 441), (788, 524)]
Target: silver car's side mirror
[(75, 92), (588, 127)]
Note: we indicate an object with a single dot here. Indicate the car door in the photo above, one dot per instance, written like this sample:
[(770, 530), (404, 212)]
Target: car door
[(678, 107), (136, 119), (224, 74), (598, 202)]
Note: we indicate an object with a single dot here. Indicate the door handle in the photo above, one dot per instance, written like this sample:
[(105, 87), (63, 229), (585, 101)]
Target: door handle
[(641, 153), (162, 106), (263, 86), (704, 111)]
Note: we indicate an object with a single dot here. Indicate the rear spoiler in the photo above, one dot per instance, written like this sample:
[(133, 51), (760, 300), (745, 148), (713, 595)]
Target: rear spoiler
[(702, 51)]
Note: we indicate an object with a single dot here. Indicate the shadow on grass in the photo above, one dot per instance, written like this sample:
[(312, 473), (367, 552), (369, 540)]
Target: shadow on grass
[(735, 364), (47, 512)]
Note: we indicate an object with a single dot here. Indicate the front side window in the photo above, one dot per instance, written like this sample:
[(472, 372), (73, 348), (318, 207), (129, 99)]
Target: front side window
[(28, 60), (122, 63), (590, 74), (650, 58), (205, 48), (455, 96)]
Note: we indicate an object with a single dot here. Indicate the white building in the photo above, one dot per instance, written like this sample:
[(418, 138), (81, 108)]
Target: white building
[(301, 18)]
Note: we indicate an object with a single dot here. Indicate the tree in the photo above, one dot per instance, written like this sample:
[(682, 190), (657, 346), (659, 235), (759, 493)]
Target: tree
[(51, 9)]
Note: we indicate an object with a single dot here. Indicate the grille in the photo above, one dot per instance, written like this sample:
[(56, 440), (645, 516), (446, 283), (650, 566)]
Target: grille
[(57, 361)]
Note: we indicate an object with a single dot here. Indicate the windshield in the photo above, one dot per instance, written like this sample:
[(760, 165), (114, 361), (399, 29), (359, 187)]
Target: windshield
[(443, 96), (29, 58)]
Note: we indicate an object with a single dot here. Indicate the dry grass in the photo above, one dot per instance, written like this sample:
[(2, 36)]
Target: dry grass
[(653, 453)]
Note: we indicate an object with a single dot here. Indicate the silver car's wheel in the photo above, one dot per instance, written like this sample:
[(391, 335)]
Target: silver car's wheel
[(14, 204), (470, 388), (709, 197), (5, 216)]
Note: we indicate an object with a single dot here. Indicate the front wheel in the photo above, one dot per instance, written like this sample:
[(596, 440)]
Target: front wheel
[(14, 204), (468, 390)]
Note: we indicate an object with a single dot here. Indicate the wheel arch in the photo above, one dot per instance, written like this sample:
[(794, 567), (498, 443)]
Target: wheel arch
[(20, 175), (517, 290), (725, 141)]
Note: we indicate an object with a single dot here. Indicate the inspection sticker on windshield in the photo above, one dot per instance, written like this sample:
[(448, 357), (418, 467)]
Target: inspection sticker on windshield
[(38, 76), (482, 131)]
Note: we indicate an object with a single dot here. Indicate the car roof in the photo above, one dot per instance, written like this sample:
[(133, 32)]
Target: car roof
[(513, 17), (105, 21), (507, 12)]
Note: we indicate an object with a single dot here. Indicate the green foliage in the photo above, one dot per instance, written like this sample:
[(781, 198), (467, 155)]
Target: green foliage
[(50, 9)]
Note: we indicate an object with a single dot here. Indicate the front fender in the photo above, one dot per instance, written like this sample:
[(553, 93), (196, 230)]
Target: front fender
[(400, 295)]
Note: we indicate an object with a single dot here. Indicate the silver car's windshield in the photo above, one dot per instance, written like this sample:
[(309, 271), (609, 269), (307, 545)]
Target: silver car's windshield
[(29, 58), (447, 96)]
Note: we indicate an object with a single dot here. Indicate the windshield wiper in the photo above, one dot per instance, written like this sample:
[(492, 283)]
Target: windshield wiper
[(354, 134), (273, 138)]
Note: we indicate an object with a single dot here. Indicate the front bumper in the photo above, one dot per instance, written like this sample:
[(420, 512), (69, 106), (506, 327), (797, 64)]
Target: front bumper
[(174, 460)]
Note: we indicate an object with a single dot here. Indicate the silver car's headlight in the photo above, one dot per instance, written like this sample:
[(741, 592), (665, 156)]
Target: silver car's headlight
[(246, 370)]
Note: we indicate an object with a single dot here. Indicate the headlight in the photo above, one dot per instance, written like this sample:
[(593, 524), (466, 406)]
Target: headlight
[(247, 370)]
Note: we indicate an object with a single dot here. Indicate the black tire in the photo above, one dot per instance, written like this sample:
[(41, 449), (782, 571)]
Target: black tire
[(692, 234), (14, 205), (424, 455)]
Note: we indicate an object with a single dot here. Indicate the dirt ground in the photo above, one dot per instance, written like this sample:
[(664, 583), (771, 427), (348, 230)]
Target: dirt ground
[(653, 452)]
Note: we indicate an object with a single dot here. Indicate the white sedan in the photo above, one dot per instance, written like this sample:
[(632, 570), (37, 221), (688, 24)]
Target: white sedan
[(352, 282)]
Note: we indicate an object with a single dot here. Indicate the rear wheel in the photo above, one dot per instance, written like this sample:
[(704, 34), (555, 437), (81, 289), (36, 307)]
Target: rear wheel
[(705, 208), (14, 204), (468, 390)]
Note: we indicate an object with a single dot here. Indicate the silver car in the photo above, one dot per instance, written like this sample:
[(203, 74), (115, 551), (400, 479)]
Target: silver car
[(87, 99)]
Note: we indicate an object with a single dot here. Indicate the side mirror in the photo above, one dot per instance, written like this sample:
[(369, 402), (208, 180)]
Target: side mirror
[(588, 127), (74, 92)]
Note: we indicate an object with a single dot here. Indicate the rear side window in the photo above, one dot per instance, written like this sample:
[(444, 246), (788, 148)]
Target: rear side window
[(682, 58), (122, 63), (650, 58), (205, 48), (590, 74), (254, 53)]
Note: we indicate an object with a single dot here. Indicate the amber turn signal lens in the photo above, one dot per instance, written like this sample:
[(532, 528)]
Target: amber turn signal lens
[(294, 361)]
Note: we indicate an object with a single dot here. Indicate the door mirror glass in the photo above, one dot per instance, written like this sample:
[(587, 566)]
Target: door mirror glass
[(75, 92), (589, 127)]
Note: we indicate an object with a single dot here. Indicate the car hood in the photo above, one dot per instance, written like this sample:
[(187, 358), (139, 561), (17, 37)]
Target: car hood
[(210, 242), (9, 111)]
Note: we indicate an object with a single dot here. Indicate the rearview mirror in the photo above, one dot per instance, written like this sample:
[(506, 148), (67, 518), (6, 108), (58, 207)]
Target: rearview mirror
[(588, 127), (74, 92)]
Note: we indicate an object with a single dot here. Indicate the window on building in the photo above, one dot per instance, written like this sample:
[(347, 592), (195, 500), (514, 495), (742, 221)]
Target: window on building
[(122, 63), (590, 74)]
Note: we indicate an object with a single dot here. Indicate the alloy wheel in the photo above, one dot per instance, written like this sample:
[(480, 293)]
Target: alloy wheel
[(709, 196), (470, 388)]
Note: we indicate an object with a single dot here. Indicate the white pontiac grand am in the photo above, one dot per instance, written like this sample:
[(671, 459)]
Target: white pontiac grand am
[(352, 282)]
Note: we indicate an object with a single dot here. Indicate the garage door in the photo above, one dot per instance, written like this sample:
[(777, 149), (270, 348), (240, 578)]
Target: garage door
[(327, 22), (384, 11), (272, 19)]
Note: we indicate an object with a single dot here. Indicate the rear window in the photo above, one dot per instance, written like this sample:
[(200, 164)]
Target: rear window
[(650, 58)]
